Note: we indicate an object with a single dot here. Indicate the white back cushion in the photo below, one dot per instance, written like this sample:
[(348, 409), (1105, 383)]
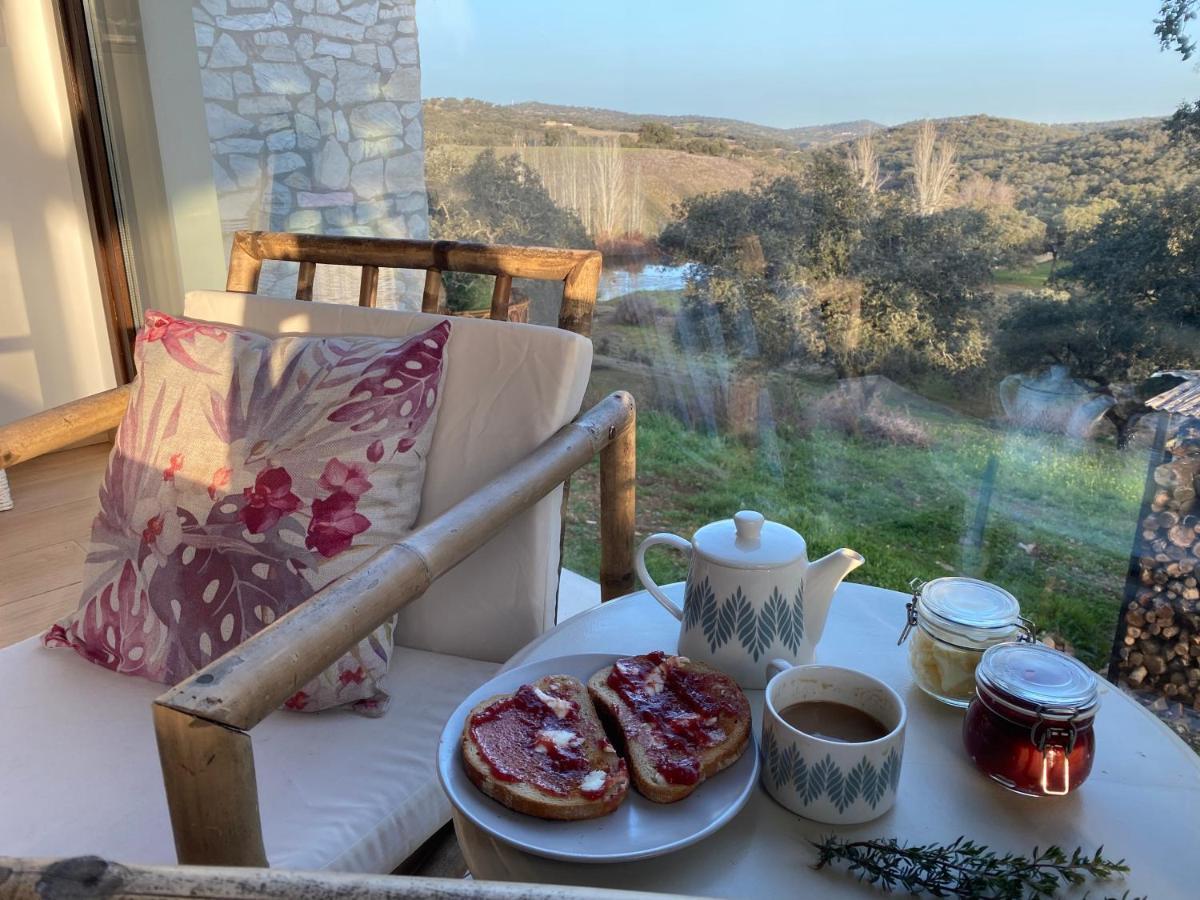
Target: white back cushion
[(508, 387)]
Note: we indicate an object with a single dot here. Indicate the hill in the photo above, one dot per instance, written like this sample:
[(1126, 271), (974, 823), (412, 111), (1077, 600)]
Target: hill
[(1050, 167), (468, 121)]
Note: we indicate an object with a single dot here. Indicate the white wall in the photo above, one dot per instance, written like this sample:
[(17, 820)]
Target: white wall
[(53, 342)]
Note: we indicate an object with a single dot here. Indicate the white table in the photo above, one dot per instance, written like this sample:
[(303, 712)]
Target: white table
[(1142, 801)]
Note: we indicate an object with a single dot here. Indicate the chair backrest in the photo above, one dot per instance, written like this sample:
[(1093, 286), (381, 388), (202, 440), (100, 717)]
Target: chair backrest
[(578, 270), (508, 388)]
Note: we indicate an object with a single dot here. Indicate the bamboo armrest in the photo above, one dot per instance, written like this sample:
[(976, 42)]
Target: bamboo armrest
[(61, 426), (85, 877), (202, 724)]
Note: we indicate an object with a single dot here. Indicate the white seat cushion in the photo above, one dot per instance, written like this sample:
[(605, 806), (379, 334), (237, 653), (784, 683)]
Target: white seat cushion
[(508, 388), (80, 771)]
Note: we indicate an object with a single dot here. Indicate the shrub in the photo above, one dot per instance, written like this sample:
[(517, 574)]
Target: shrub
[(635, 309), (855, 410)]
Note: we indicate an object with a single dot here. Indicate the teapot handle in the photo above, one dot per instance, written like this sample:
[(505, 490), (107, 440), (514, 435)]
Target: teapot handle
[(670, 540)]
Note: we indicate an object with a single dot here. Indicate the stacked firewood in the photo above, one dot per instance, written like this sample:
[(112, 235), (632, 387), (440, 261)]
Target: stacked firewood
[(1159, 650)]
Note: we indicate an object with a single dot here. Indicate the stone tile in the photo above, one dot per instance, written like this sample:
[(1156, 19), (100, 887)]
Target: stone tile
[(246, 169), (404, 84), (355, 83), (283, 15), (215, 86), (340, 128), (323, 65), (367, 179), (308, 134), (247, 21), (304, 46), (299, 181), (267, 124), (223, 122), (281, 140), (239, 145), (381, 33), (310, 200), (324, 90), (215, 7), (336, 49), (243, 83), (282, 78), (365, 54), (376, 120), (304, 220), (387, 61), (226, 54), (363, 13), (272, 39), (282, 163), (263, 105), (332, 166), (278, 54), (331, 27), (205, 35)]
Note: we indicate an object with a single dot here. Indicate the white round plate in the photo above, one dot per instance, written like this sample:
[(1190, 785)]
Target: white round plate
[(638, 829)]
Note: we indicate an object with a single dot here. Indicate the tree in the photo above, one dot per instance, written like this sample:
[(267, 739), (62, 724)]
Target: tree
[(656, 134), (1170, 27), (933, 169), (497, 200), (1134, 303), (864, 163)]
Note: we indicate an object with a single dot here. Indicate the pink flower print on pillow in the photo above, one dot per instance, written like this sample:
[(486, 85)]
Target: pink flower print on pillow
[(348, 477), (269, 500), (335, 522)]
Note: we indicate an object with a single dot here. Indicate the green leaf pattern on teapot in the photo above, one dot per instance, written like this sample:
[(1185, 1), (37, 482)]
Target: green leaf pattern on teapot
[(735, 616)]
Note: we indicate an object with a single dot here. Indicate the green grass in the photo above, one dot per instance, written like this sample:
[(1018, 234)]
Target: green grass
[(1024, 277), (1072, 505)]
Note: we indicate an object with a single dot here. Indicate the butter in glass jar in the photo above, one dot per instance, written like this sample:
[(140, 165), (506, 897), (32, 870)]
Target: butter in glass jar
[(952, 621), (1030, 725)]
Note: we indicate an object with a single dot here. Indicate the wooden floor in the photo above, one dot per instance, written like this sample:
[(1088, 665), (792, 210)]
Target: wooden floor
[(43, 538)]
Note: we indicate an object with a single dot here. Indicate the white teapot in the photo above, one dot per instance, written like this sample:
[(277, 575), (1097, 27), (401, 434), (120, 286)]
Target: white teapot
[(752, 595)]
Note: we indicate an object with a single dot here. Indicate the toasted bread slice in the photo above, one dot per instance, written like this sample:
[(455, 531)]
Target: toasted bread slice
[(662, 762), (542, 751)]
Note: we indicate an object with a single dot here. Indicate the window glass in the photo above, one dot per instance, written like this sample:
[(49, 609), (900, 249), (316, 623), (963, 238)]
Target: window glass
[(929, 336)]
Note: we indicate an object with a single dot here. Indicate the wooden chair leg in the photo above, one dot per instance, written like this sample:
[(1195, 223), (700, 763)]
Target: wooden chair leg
[(208, 771), (618, 485)]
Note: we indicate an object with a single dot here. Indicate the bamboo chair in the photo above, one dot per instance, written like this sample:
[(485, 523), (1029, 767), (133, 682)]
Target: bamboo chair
[(203, 724), (93, 878)]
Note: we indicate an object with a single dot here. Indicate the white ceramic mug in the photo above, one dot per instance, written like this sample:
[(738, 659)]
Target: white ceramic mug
[(839, 783)]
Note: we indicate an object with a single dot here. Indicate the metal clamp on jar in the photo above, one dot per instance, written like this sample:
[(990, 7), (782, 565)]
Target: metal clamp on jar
[(952, 622), (1030, 725)]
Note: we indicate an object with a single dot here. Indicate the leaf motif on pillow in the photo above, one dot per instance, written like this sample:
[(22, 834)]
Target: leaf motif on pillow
[(217, 588), (399, 385), (175, 333), (113, 631)]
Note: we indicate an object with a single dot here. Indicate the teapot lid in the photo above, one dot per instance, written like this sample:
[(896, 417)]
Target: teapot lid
[(749, 541)]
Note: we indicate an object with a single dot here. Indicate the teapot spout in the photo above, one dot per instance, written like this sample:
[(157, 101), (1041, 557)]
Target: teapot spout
[(821, 580)]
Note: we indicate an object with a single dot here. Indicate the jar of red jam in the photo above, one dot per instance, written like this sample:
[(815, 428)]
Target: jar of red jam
[(1030, 724)]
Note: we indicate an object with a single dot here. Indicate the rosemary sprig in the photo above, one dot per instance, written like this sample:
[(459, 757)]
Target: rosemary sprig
[(964, 868)]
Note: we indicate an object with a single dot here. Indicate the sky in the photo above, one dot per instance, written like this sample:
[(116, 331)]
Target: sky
[(809, 62)]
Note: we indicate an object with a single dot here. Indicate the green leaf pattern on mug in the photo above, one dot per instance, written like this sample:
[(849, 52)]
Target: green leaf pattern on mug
[(735, 616), (787, 767)]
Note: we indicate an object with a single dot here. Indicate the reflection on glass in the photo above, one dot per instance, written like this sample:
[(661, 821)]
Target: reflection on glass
[(934, 342)]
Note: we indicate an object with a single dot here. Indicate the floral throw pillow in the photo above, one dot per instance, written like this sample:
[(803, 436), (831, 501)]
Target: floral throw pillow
[(247, 474)]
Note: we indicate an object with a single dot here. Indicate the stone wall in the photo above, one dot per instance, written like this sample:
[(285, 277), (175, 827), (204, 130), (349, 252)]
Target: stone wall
[(314, 119)]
